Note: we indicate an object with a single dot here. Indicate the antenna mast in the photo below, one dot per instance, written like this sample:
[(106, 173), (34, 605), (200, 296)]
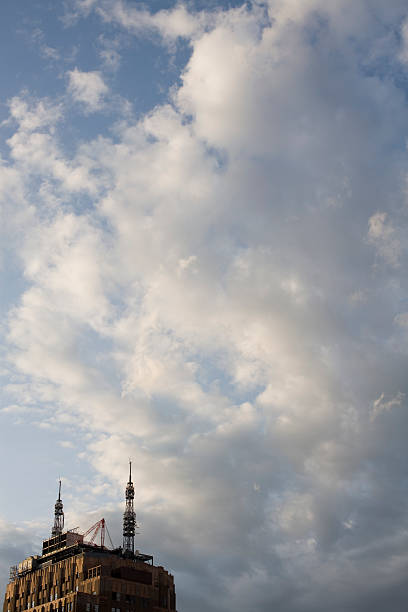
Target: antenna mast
[(58, 515), (129, 517)]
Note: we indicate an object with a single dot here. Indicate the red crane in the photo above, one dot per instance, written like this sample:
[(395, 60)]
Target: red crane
[(99, 526)]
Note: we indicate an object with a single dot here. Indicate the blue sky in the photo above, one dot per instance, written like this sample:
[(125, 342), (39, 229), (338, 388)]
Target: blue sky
[(203, 267)]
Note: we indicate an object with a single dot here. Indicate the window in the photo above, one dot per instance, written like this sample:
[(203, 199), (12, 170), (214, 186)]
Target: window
[(93, 572)]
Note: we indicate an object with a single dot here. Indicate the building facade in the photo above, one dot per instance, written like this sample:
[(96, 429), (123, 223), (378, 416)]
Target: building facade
[(72, 575)]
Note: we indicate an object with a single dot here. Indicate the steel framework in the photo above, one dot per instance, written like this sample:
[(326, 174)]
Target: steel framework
[(98, 527), (129, 517), (58, 515)]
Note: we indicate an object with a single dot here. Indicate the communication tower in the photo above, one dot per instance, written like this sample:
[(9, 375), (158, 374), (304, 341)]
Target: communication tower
[(58, 515), (129, 517)]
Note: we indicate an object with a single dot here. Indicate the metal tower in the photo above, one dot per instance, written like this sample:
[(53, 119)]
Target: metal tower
[(58, 515), (129, 517)]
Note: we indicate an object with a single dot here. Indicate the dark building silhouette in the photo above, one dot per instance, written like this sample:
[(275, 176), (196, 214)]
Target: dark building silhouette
[(76, 575)]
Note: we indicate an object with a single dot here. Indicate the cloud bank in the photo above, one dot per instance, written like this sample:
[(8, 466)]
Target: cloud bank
[(227, 304)]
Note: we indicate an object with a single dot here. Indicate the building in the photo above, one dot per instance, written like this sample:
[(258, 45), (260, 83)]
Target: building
[(76, 575)]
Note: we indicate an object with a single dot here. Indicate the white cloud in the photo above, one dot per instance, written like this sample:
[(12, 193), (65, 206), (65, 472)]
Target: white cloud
[(66, 444), (382, 405), (109, 53), (35, 149), (170, 24), (49, 53), (87, 88), (403, 54), (39, 114), (197, 315)]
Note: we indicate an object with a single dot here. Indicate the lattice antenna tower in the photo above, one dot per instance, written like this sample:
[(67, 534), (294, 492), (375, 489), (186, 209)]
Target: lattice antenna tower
[(58, 515), (129, 517)]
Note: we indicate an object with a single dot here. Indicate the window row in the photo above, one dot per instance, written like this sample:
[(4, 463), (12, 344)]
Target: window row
[(61, 607)]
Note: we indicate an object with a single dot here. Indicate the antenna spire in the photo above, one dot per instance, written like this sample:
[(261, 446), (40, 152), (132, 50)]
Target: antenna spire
[(129, 517), (58, 515)]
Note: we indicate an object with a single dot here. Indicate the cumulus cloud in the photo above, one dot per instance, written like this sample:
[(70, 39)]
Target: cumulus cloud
[(170, 24), (35, 149), (87, 88), (216, 315), (34, 116)]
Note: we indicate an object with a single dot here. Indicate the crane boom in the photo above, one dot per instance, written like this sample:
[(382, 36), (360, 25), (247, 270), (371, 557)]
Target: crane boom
[(99, 526)]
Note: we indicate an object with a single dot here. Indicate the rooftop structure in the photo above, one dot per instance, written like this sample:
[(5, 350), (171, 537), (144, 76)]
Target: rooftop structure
[(74, 574), (129, 517), (58, 515)]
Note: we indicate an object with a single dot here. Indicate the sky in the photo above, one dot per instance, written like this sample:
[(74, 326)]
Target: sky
[(204, 249)]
